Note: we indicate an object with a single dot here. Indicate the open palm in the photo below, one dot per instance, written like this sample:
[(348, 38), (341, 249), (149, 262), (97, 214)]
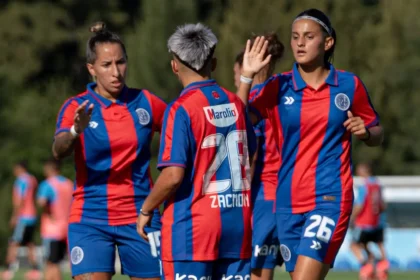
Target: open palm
[(254, 59)]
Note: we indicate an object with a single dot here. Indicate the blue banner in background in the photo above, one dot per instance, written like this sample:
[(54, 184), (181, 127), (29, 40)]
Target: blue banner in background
[(402, 248)]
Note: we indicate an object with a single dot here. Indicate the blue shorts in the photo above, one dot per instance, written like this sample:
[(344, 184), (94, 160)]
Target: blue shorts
[(92, 249), (218, 269), (317, 234), (265, 243)]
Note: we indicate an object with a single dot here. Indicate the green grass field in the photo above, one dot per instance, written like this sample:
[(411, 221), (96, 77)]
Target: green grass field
[(285, 276)]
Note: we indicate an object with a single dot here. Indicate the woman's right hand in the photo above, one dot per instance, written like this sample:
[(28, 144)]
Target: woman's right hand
[(82, 116), (254, 60)]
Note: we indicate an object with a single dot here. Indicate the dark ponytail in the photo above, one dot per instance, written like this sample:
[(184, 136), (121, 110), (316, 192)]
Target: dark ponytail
[(326, 27), (101, 35)]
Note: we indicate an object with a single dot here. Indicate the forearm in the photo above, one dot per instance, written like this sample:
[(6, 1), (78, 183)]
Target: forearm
[(244, 88), (162, 191), (63, 145), (376, 136)]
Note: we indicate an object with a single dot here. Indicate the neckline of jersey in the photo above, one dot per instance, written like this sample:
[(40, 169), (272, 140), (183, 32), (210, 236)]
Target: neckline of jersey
[(199, 84), (102, 100), (299, 84)]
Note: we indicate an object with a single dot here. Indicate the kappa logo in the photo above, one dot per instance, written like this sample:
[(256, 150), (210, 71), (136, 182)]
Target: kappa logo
[(289, 100), (190, 277), (144, 117), (221, 115), (266, 250), (342, 101)]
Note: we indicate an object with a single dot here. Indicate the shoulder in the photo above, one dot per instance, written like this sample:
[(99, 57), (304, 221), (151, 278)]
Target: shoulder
[(152, 98), (75, 100), (347, 76)]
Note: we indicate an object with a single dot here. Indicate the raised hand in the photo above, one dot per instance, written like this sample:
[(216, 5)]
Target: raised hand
[(82, 116), (254, 59)]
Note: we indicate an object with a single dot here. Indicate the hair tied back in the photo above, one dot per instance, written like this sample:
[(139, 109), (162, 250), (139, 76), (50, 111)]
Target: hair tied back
[(98, 27)]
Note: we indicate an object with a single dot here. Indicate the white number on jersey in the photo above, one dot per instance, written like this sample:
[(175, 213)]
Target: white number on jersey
[(227, 148), (324, 232)]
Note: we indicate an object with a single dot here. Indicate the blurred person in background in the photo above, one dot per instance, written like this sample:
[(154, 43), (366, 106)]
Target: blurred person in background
[(109, 127), (23, 221), (369, 221), (315, 110), (206, 144), (54, 197), (266, 163)]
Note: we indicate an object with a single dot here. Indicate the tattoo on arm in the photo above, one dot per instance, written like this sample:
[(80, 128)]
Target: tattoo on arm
[(63, 145)]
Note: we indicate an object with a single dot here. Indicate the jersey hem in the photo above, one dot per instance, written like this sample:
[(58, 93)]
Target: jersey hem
[(300, 210), (213, 257)]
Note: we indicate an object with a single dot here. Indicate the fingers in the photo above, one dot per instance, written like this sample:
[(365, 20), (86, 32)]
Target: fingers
[(82, 107), (349, 114), (90, 109), (140, 228), (248, 46), (267, 60), (259, 44), (263, 48)]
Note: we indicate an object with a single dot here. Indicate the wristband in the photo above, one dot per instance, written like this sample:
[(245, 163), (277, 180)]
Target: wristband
[(73, 131), (246, 80), (147, 214)]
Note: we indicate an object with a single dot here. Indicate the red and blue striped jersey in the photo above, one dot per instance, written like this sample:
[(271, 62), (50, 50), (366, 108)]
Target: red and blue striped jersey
[(264, 182), (315, 147), (207, 132), (112, 154), (369, 197)]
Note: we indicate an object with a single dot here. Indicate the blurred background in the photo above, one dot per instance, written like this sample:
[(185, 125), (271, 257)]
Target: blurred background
[(42, 63)]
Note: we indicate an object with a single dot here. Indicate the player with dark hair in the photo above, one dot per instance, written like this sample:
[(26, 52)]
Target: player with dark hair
[(109, 127), (206, 144), (266, 248), (315, 110)]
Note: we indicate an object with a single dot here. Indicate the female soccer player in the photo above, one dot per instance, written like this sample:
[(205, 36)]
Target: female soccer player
[(265, 244), (109, 127), (314, 109)]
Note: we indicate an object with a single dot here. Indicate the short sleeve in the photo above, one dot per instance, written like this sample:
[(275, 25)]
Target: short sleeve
[(19, 188), (174, 143), (361, 195), (265, 98), (362, 106), (158, 111), (65, 118), (45, 191)]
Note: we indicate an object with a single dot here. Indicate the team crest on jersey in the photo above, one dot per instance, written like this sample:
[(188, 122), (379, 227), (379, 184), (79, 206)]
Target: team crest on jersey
[(285, 252), (215, 94), (144, 117), (221, 115), (76, 255), (342, 102)]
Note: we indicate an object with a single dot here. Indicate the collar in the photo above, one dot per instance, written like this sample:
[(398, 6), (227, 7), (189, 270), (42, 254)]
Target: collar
[(102, 100), (299, 83), (196, 85)]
